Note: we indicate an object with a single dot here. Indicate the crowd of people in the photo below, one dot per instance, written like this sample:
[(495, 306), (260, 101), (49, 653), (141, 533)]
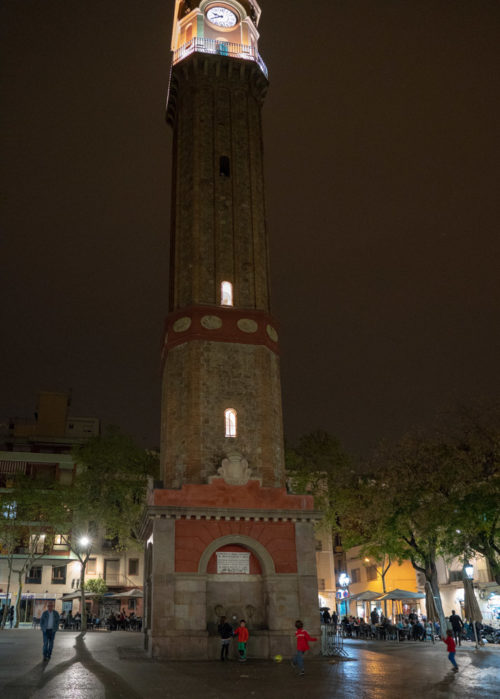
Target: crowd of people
[(114, 622), (411, 627)]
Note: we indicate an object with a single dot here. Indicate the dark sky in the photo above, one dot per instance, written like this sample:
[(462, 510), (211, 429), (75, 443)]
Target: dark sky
[(381, 135)]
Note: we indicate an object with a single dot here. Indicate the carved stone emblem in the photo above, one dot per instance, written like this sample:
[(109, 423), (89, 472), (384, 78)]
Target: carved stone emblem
[(211, 322), (235, 469), (247, 325), (182, 324)]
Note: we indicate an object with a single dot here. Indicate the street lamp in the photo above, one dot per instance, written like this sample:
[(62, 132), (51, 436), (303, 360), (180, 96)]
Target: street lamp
[(344, 580), (84, 542), (469, 571)]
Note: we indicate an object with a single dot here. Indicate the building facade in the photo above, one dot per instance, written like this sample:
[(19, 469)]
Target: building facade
[(41, 449)]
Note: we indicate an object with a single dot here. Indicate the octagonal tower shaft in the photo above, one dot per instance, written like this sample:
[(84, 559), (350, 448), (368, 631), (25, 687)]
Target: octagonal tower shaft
[(221, 376)]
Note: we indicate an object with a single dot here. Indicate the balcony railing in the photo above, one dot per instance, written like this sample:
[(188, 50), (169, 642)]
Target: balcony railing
[(222, 48)]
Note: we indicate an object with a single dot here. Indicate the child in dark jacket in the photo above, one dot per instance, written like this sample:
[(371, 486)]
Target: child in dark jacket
[(303, 639), (226, 634)]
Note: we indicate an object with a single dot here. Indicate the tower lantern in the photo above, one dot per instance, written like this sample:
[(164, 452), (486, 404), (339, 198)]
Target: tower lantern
[(223, 536)]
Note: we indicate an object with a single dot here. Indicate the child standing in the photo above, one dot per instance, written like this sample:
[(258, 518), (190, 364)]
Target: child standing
[(450, 644), (226, 634), (242, 633), (303, 639)]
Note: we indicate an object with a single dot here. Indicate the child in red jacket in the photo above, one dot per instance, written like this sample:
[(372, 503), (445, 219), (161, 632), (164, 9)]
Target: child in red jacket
[(450, 644), (242, 633), (303, 639)]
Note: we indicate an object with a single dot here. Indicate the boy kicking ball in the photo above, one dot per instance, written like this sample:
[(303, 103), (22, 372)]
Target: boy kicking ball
[(303, 639)]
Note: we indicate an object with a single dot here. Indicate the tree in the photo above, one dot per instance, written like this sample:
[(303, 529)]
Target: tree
[(108, 494), (397, 508), (475, 524), (28, 507)]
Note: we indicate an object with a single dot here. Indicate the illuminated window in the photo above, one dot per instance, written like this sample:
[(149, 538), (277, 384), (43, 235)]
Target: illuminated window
[(230, 419), (226, 289)]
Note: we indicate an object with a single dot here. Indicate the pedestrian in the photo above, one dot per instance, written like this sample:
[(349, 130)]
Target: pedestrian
[(457, 625), (303, 639), (242, 633), (11, 617), (450, 644), (49, 623)]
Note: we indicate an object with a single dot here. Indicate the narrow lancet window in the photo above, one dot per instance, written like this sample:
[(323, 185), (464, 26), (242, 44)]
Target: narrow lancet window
[(224, 166), (226, 293), (230, 420)]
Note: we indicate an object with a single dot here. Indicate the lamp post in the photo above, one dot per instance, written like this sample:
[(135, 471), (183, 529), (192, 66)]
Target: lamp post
[(344, 582)]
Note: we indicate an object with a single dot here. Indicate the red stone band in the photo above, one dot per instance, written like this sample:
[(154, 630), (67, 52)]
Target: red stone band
[(221, 324)]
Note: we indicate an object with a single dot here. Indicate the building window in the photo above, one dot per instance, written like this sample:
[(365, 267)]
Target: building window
[(371, 573), (58, 575), (224, 167), (455, 576), (355, 575), (91, 566), (133, 566), (230, 420), (226, 294), (34, 575), (131, 604)]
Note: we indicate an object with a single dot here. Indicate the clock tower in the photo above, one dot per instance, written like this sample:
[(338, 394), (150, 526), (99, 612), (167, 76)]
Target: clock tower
[(223, 535)]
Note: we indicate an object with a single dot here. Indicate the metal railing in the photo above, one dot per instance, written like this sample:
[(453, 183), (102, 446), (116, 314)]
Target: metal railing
[(222, 48)]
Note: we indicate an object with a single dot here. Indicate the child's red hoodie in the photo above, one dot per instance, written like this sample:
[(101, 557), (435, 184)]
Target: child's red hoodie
[(302, 639), (242, 633), (450, 644)]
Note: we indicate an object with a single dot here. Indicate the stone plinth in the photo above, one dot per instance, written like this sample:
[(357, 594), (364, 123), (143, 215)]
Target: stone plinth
[(185, 595)]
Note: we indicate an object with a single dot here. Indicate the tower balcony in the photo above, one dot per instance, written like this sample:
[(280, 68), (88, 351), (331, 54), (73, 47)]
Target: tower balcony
[(221, 48)]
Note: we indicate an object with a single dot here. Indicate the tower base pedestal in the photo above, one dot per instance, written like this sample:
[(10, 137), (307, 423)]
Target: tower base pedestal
[(243, 552)]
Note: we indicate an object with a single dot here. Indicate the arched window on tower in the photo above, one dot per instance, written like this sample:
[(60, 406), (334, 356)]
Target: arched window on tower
[(226, 294), (230, 420)]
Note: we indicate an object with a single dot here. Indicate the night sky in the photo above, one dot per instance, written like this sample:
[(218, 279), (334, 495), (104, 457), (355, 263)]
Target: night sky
[(381, 136)]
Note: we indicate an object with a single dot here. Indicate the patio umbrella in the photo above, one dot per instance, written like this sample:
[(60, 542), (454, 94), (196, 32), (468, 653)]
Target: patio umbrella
[(430, 606), (135, 592), (471, 607), (367, 596), (401, 595)]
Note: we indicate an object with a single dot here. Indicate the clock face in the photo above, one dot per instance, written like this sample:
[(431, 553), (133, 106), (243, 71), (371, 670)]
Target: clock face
[(222, 17)]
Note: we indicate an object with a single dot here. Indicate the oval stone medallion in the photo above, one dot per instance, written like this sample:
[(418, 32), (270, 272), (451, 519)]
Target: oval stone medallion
[(272, 333), (247, 325), (211, 322), (182, 324)]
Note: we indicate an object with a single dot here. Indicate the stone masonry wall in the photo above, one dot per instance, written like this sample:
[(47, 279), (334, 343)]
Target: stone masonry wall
[(201, 379)]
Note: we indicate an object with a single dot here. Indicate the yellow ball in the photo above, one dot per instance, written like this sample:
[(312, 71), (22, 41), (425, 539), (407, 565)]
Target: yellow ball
[(278, 658)]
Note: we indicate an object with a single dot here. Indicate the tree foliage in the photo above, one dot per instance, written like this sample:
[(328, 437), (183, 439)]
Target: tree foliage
[(107, 495), (419, 498)]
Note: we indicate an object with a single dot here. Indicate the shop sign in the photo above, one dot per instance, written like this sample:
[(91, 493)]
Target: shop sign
[(342, 594), (233, 562)]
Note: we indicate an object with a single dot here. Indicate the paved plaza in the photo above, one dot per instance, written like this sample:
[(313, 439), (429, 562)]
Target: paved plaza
[(104, 665)]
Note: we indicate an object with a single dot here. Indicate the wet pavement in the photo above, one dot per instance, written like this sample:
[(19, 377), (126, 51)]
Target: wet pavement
[(104, 665)]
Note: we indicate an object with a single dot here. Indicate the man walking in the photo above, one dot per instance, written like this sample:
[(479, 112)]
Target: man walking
[(49, 623), (457, 626)]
